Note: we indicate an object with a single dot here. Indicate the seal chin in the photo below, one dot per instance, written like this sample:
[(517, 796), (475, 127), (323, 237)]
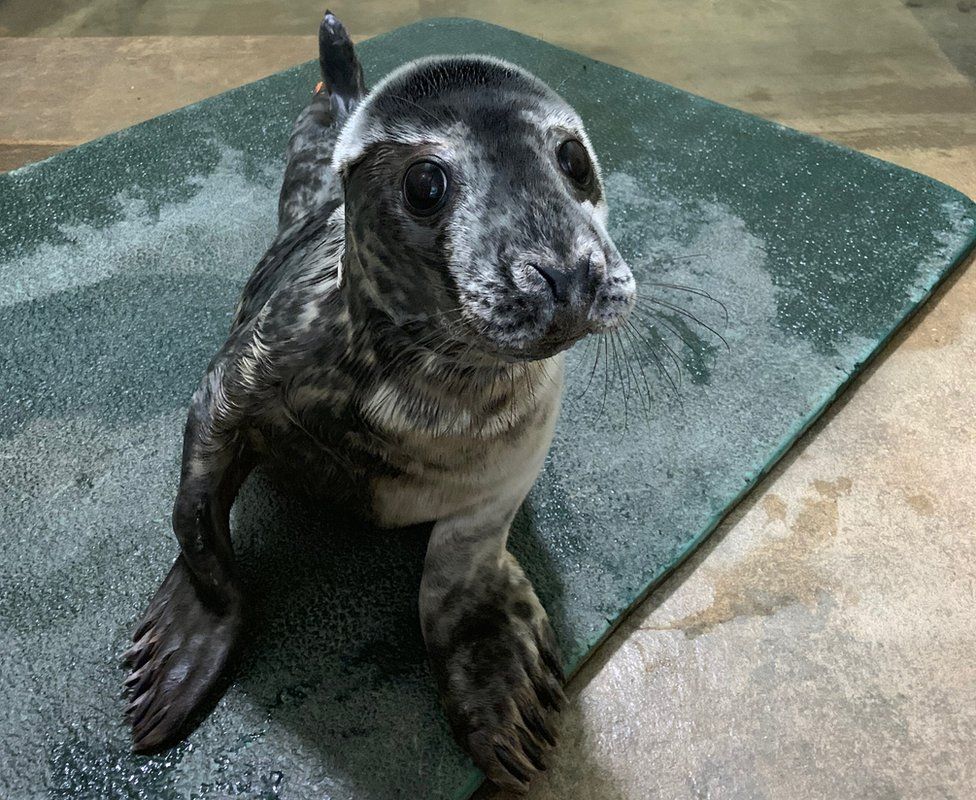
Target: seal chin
[(547, 348), (531, 349)]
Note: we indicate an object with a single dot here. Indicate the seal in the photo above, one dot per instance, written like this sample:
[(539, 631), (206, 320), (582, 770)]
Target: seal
[(398, 352)]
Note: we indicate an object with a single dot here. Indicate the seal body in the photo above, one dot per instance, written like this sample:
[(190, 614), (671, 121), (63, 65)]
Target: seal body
[(397, 353), (396, 444)]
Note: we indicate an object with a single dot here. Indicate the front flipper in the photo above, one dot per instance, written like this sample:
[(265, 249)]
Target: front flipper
[(180, 650), (492, 653), (187, 634)]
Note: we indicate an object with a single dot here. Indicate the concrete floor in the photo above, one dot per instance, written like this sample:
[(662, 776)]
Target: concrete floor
[(820, 645)]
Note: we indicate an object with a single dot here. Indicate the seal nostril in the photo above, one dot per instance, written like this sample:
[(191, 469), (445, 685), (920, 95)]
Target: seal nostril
[(559, 282)]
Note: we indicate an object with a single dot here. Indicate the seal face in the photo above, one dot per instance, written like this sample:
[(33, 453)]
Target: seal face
[(398, 352), (517, 239)]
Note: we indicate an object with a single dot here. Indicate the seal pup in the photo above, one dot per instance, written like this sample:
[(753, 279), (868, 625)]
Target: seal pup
[(398, 353)]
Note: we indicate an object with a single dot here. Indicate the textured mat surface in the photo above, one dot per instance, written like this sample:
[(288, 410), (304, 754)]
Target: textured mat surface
[(119, 267)]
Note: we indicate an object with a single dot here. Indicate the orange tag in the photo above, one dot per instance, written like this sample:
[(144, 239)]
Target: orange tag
[(318, 87)]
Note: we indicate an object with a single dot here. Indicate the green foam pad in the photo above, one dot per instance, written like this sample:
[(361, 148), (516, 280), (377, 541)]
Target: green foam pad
[(121, 261)]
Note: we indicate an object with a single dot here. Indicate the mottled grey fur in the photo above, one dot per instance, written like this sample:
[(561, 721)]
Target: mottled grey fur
[(404, 368)]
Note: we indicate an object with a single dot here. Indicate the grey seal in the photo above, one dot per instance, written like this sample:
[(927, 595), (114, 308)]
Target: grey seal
[(398, 353)]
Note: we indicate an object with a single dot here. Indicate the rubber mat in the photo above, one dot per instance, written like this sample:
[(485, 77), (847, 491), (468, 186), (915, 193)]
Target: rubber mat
[(120, 262)]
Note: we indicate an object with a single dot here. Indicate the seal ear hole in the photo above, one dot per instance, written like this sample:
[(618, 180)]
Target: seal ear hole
[(574, 161), (425, 187)]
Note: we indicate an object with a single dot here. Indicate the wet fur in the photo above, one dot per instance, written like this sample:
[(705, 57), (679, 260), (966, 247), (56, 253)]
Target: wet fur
[(407, 370)]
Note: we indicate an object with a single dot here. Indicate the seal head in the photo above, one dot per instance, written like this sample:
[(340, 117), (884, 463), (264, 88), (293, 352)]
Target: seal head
[(478, 174)]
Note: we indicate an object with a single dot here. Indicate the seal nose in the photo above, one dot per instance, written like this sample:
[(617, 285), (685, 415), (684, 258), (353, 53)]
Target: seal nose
[(565, 284), (559, 282)]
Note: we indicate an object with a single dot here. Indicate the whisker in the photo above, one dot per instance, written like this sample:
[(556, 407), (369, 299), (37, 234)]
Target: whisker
[(583, 355), (606, 375), (596, 361), (616, 362), (653, 317), (657, 360), (630, 373), (684, 313), (640, 366), (451, 115), (652, 321), (697, 292), (669, 259)]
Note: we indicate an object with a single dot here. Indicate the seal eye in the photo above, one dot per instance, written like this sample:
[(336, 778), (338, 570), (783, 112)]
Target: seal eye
[(574, 161), (425, 187)]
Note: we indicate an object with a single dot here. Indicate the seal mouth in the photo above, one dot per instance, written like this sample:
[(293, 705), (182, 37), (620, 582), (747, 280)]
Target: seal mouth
[(554, 327), (558, 338), (474, 348)]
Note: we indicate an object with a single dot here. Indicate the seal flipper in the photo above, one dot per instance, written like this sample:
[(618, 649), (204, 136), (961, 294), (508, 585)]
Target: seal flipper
[(193, 623), (310, 184), (342, 74), (490, 646), (181, 649)]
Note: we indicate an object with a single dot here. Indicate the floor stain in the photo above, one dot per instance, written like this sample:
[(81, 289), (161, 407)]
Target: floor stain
[(922, 503), (780, 572), (759, 96), (775, 507)]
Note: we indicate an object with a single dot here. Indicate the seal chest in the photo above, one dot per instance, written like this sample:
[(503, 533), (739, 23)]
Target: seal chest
[(472, 456)]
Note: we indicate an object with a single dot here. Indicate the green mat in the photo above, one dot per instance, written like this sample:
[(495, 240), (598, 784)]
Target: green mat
[(120, 262)]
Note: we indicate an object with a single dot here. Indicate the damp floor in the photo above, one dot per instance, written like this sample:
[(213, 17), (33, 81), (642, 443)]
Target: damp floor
[(830, 616)]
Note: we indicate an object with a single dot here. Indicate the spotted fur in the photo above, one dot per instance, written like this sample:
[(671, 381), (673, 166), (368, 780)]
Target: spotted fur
[(407, 369)]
